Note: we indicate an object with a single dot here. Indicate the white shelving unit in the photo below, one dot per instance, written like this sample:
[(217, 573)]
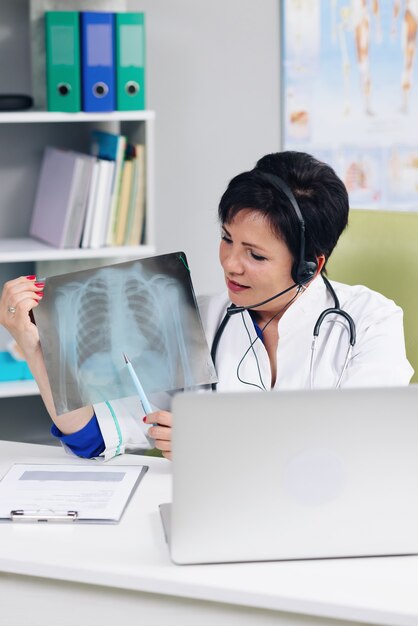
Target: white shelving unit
[(27, 133), (27, 249), (45, 117), (18, 388)]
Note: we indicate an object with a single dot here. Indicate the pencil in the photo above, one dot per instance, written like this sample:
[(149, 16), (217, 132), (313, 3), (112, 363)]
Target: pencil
[(142, 396)]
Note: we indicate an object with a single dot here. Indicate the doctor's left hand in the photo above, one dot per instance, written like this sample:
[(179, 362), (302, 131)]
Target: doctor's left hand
[(18, 298), (161, 431)]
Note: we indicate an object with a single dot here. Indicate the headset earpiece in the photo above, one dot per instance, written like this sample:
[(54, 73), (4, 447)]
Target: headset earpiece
[(304, 271)]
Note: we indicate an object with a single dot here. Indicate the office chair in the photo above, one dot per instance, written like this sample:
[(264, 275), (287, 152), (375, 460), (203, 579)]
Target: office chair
[(379, 249)]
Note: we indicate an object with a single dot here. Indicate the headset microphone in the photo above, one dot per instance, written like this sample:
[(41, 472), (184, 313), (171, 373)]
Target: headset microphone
[(232, 309)]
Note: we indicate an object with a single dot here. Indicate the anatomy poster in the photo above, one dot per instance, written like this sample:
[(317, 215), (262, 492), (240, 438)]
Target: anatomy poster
[(145, 308), (350, 92)]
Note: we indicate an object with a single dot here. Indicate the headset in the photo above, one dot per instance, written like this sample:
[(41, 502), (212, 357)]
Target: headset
[(303, 271)]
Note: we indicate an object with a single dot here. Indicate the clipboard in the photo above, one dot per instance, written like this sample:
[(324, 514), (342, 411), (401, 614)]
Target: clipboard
[(88, 493)]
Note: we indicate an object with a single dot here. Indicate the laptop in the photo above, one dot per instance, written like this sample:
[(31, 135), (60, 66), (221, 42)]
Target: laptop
[(293, 475)]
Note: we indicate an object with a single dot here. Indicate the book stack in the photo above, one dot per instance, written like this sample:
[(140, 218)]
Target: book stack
[(95, 61), (91, 201)]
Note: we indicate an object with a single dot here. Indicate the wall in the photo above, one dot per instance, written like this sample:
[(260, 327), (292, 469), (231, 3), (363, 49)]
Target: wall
[(213, 80), (14, 78)]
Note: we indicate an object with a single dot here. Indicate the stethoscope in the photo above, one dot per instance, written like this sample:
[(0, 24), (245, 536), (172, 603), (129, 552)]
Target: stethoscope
[(335, 310)]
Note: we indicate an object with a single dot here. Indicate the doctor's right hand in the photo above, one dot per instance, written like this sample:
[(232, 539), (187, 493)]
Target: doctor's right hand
[(160, 431), (18, 298)]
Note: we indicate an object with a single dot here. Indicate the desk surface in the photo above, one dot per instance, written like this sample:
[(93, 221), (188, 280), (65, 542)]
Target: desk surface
[(133, 555)]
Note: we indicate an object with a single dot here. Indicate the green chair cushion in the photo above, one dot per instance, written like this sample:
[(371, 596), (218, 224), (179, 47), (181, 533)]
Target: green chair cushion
[(379, 249)]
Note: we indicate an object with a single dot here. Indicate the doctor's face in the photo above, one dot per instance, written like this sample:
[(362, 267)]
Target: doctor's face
[(256, 263)]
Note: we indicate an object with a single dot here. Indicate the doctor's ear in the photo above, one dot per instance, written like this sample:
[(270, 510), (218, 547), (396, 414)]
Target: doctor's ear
[(320, 262)]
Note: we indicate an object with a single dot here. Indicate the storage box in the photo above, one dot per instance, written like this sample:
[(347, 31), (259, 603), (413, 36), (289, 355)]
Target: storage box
[(11, 369)]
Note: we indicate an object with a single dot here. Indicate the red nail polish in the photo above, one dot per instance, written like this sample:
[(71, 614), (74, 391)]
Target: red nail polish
[(40, 285), (144, 419), (31, 277)]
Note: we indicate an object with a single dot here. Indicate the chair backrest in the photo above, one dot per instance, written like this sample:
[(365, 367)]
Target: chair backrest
[(379, 249)]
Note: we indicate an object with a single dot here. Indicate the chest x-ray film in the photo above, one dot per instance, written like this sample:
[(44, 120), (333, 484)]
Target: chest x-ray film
[(145, 308)]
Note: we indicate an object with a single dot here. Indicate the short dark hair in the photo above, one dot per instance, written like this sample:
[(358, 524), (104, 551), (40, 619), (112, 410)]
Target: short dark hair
[(319, 192)]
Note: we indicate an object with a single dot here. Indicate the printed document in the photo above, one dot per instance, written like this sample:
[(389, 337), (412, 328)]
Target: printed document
[(89, 492)]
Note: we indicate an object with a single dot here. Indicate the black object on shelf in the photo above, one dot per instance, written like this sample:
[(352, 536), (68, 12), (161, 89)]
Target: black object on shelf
[(15, 102)]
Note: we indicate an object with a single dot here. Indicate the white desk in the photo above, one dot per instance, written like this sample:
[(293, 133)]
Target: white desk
[(79, 574)]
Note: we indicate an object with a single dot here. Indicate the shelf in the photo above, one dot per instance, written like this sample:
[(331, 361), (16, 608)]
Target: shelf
[(16, 250), (45, 117), (17, 388)]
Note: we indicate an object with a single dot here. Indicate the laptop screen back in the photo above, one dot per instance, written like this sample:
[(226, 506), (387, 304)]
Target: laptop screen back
[(292, 475)]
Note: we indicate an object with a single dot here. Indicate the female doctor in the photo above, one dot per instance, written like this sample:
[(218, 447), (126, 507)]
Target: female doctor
[(280, 325)]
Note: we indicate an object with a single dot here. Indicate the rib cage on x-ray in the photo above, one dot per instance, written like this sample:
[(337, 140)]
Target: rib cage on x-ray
[(115, 312)]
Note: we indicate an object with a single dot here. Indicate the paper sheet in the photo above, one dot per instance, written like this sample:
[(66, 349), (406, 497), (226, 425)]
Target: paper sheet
[(96, 493)]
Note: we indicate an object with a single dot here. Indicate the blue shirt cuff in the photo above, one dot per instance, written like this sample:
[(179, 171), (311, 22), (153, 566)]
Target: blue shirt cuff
[(87, 442)]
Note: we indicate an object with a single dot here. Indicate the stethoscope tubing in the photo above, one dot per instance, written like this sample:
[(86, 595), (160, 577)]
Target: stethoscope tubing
[(335, 310)]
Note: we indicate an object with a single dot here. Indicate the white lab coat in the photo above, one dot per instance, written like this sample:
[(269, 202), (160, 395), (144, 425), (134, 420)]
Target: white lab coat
[(378, 357)]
